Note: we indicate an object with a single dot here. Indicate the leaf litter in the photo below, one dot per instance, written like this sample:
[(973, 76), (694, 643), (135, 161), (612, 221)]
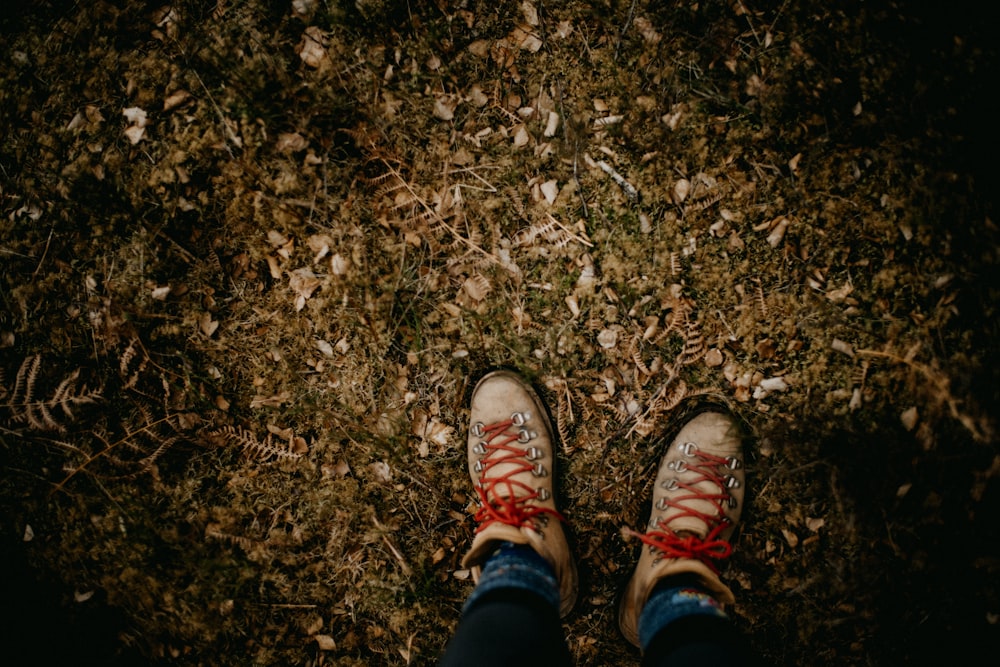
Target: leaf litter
[(240, 321)]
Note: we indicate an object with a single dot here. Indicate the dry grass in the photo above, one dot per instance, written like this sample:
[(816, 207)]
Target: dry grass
[(256, 255)]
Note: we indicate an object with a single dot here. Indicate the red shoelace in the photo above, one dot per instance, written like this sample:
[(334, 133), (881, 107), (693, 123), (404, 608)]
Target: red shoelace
[(705, 549), (505, 499)]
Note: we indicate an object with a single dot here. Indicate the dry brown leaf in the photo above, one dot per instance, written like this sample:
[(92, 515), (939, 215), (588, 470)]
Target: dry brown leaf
[(291, 142), (277, 400), (303, 282), (312, 48)]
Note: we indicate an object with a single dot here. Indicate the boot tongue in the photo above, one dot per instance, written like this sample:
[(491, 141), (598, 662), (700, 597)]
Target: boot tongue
[(680, 521)]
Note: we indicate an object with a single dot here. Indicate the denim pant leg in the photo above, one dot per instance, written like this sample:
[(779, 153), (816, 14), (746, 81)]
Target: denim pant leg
[(682, 625), (512, 616)]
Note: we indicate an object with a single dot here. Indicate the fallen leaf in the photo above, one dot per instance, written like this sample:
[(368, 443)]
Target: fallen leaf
[(312, 48), (325, 642), (270, 401)]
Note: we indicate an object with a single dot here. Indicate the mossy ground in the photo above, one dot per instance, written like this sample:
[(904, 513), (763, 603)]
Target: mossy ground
[(280, 240)]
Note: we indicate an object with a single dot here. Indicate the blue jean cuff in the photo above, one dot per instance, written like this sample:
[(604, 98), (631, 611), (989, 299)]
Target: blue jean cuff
[(667, 605), (517, 566)]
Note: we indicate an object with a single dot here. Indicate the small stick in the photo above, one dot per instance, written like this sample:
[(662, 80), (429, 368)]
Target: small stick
[(628, 188)]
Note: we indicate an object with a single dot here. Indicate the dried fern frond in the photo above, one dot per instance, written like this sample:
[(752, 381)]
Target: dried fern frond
[(667, 397), (265, 450), (675, 320), (702, 203), (694, 343), (45, 414), (132, 363), (213, 532)]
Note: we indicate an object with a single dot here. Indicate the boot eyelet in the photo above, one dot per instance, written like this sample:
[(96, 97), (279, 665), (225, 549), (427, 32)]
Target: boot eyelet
[(677, 466), (688, 448), (734, 463), (478, 429), (523, 435), (533, 453), (479, 448), (732, 482), (539, 470), (518, 418), (543, 493), (669, 484), (478, 466)]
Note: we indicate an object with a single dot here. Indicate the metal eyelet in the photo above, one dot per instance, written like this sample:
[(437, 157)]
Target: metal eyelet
[(662, 504), (677, 466), (478, 429), (518, 418), (734, 463), (533, 453), (732, 502), (732, 482), (688, 448), (524, 436), (478, 465), (669, 484), (539, 470), (479, 448), (543, 493)]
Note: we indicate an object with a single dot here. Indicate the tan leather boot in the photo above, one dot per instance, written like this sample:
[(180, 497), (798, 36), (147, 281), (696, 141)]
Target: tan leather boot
[(697, 500), (511, 462)]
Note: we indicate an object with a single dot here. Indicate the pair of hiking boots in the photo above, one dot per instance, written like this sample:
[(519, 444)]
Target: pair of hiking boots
[(697, 497)]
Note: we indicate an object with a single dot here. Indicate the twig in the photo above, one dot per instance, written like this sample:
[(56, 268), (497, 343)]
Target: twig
[(627, 188), (625, 27)]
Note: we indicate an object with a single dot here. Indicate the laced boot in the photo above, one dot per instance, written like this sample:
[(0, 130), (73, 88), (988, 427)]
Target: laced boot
[(697, 500), (511, 462)]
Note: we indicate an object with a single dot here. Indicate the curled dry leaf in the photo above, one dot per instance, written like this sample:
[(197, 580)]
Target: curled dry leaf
[(645, 28), (521, 136), (325, 642), (137, 122), (841, 294), (320, 245), (303, 282), (381, 472), (477, 287), (524, 37), (444, 107), (207, 325), (176, 99), (277, 400), (550, 190), (714, 358), (607, 339), (681, 190), (312, 48), (339, 265), (290, 142), (777, 233), (552, 125), (909, 418)]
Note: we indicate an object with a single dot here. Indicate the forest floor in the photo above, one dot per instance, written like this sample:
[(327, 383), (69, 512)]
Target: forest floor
[(255, 254)]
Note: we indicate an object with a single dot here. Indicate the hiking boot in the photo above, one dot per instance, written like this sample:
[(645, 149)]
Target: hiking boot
[(697, 500), (511, 462)]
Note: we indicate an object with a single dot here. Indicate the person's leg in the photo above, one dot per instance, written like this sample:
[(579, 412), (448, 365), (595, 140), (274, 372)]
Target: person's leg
[(673, 607), (682, 624), (525, 576), (512, 616)]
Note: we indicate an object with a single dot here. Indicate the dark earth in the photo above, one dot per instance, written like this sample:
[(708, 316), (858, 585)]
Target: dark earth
[(255, 255)]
